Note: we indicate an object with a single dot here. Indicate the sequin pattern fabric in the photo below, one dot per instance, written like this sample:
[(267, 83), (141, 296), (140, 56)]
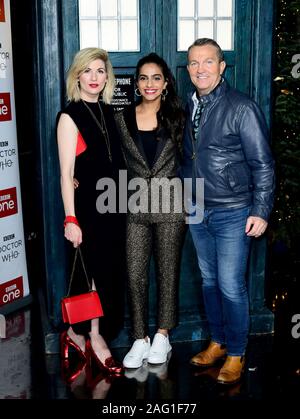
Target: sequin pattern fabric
[(156, 233), (166, 240)]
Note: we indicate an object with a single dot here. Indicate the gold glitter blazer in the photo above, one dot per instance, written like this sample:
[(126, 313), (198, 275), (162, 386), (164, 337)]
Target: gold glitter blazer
[(154, 195)]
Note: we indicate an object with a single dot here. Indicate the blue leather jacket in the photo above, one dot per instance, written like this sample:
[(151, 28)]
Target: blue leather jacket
[(231, 152)]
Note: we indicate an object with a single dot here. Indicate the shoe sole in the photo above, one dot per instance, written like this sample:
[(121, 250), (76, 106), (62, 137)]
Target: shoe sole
[(197, 364), (138, 366), (228, 383)]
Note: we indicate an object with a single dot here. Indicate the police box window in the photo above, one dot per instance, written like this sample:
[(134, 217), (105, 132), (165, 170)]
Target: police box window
[(112, 25)]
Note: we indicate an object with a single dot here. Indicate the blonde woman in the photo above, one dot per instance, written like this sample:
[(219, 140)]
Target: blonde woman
[(89, 150)]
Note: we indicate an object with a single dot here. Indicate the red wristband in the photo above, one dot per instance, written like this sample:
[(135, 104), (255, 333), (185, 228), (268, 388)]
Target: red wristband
[(71, 219)]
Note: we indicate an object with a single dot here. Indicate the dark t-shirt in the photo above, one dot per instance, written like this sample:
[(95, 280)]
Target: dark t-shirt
[(149, 141)]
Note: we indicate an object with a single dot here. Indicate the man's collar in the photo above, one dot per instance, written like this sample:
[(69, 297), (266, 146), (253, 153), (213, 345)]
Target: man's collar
[(216, 92)]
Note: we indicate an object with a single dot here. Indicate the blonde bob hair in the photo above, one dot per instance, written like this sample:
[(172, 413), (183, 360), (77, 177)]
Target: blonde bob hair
[(80, 63)]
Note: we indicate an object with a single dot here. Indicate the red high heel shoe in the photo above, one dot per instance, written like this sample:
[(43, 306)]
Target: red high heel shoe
[(110, 365), (65, 343)]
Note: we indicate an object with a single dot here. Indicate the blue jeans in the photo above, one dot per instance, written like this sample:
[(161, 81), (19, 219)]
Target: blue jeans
[(222, 249)]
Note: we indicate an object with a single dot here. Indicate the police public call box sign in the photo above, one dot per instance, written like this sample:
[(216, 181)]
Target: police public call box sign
[(124, 92)]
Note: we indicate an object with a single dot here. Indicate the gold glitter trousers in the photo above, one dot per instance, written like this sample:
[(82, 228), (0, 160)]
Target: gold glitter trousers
[(164, 241)]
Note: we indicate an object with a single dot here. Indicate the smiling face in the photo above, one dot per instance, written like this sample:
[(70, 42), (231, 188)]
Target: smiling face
[(151, 82), (205, 68), (92, 80)]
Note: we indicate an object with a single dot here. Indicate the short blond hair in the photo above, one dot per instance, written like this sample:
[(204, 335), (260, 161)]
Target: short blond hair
[(80, 63)]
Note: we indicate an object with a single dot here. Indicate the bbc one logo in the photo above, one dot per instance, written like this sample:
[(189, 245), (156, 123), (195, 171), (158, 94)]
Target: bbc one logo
[(11, 291), (5, 108), (2, 11), (8, 202)]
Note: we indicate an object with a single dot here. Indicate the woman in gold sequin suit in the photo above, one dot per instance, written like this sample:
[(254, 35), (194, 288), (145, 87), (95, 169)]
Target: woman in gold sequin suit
[(151, 135)]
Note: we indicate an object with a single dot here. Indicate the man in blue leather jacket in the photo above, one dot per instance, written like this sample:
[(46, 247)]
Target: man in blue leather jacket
[(226, 144)]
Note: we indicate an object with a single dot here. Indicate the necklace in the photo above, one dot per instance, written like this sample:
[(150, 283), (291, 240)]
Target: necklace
[(101, 125)]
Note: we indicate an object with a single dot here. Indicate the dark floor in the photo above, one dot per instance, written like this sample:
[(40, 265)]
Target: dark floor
[(272, 369)]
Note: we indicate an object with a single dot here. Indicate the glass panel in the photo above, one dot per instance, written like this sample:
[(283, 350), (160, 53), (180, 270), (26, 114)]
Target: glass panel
[(88, 8), (224, 8), (109, 35), (88, 33), (205, 8), (224, 34), (186, 8), (129, 35), (128, 8), (109, 8), (186, 34), (205, 29)]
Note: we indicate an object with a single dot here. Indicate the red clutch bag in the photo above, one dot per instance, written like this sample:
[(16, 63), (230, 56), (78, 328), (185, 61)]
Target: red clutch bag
[(82, 307)]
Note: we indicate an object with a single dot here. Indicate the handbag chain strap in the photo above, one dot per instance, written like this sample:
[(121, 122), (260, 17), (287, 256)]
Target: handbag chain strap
[(78, 250)]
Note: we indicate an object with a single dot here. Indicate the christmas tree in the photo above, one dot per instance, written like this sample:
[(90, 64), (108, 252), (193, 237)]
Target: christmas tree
[(285, 221)]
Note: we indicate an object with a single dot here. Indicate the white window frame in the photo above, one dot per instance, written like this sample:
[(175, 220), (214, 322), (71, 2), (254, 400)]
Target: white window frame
[(196, 18), (119, 20)]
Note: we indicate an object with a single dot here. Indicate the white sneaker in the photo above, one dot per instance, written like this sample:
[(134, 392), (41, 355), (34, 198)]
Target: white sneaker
[(138, 352), (159, 349)]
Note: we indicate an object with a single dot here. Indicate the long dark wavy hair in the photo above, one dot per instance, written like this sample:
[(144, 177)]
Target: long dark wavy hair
[(170, 115)]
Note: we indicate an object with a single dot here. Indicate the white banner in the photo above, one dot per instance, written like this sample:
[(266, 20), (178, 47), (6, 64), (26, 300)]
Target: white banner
[(13, 269)]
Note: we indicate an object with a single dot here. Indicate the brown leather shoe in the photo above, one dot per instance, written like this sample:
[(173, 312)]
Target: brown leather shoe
[(209, 356), (232, 370)]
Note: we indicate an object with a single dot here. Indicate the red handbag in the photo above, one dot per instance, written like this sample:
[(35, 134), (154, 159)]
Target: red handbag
[(82, 307)]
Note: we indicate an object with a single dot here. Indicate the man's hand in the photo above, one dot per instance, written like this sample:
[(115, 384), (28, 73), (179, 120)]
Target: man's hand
[(255, 226)]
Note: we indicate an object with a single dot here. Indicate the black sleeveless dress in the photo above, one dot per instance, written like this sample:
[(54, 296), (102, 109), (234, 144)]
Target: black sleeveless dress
[(103, 243)]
